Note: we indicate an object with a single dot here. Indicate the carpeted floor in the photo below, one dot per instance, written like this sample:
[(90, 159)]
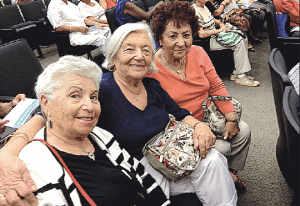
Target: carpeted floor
[(265, 184)]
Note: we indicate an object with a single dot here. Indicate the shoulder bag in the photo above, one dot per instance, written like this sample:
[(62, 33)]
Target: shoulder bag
[(172, 151), (237, 18), (214, 118), (230, 37)]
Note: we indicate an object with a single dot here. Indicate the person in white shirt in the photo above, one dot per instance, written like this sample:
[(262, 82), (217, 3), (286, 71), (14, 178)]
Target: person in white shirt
[(93, 10), (66, 16)]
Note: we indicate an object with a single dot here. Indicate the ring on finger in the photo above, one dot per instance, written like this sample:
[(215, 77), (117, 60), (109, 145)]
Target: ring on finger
[(212, 146), (2, 195)]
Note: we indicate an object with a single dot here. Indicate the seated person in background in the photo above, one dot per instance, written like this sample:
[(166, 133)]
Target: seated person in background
[(256, 19), (189, 78), (217, 9), (240, 53), (65, 16), (93, 10), (68, 94), (290, 7), (127, 12), (109, 3), (5, 108)]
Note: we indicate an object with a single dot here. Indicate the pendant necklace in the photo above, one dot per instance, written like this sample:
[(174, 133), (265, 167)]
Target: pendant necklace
[(137, 95), (90, 155), (172, 66)]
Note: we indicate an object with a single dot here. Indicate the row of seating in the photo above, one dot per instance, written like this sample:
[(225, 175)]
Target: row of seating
[(286, 101)]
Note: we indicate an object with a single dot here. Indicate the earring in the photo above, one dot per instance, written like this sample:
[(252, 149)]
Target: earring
[(49, 124)]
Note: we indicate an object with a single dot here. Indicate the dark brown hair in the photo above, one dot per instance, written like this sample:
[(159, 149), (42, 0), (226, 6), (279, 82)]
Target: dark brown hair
[(181, 12)]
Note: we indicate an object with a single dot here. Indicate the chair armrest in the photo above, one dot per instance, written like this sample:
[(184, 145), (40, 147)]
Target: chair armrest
[(23, 26), (203, 42), (6, 98)]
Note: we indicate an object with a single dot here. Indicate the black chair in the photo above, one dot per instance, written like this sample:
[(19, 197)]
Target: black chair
[(46, 2), (291, 123), (222, 59), (12, 27), (275, 41), (149, 4), (32, 11), (7, 2), (111, 19), (280, 81), (19, 69), (62, 41)]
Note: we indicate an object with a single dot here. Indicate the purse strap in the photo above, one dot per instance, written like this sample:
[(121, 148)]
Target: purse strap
[(81, 190), (218, 98)]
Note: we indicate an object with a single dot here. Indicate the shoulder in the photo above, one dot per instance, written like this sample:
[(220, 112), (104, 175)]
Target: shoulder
[(106, 81), (102, 134), (196, 51), (151, 82)]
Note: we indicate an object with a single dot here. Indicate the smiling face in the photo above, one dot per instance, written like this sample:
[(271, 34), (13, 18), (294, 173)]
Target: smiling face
[(176, 42), (75, 109), (134, 57)]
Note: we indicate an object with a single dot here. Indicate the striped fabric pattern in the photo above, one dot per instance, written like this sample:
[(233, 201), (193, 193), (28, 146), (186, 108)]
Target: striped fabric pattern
[(130, 166)]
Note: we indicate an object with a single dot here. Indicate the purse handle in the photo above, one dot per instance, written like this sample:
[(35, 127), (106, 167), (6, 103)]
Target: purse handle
[(81, 190), (219, 98)]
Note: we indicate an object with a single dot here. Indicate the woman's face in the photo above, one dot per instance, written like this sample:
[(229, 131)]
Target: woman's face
[(134, 57), (75, 109), (176, 42)]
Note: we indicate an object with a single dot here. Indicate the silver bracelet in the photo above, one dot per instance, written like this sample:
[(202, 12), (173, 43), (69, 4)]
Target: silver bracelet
[(197, 123)]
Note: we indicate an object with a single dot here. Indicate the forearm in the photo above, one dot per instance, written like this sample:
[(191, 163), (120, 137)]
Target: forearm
[(5, 108), (203, 34), (191, 121), (23, 135)]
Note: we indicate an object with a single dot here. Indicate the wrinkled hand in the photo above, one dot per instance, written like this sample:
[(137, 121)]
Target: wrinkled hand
[(231, 129), (203, 139), (82, 29), (18, 98), (224, 27), (2, 123), (15, 182)]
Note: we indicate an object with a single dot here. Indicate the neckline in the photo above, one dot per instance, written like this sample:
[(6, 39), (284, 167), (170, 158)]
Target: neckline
[(119, 89), (173, 75)]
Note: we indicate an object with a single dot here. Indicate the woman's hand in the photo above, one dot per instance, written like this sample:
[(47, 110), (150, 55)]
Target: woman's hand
[(204, 139), (2, 123), (224, 27), (17, 99), (231, 128), (82, 29), (15, 182)]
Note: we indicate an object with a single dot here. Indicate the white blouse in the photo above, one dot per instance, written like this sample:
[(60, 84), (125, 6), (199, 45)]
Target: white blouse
[(97, 11)]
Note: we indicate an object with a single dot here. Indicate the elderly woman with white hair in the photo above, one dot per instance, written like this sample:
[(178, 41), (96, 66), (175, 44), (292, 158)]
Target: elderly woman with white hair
[(68, 94), (135, 108)]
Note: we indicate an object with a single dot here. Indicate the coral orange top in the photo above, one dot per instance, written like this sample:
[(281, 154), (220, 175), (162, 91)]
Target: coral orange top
[(110, 3), (202, 81)]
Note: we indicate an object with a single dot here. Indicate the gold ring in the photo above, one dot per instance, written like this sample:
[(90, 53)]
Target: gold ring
[(2, 195), (212, 146)]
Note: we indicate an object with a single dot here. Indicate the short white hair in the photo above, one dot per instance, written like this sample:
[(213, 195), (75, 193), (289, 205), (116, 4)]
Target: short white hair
[(52, 77), (118, 38)]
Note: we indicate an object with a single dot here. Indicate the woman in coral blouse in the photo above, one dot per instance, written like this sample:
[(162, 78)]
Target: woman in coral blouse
[(188, 75)]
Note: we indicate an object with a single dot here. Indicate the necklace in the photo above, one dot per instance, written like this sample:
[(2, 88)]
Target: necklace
[(90, 155), (137, 95), (177, 70)]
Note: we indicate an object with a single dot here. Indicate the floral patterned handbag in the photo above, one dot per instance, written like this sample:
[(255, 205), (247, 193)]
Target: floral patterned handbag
[(213, 117), (172, 151)]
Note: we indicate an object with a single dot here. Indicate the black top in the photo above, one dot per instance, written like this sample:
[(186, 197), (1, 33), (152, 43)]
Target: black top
[(105, 183)]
